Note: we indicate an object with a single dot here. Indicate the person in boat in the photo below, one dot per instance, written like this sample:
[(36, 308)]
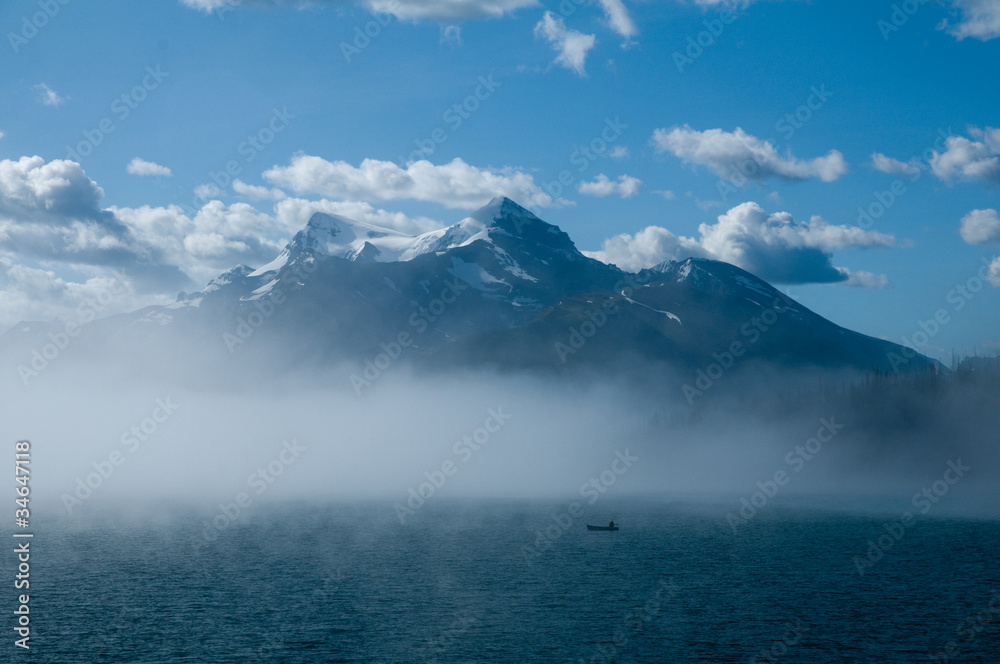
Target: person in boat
[(611, 524)]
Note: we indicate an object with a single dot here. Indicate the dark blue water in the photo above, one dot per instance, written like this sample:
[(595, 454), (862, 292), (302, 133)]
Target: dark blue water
[(458, 583)]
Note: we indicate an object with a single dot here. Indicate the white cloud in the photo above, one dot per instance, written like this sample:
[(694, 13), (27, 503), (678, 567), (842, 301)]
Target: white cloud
[(50, 211), (971, 160), (650, 246), (667, 194), (572, 46), (48, 96), (2, 134), (293, 213), (142, 167), (780, 249), (205, 192), (735, 155), (208, 241), (865, 279), (30, 294), (234, 233), (402, 9), (205, 5), (733, 4), (257, 192), (775, 247), (619, 19), (981, 227), (890, 165), (625, 186), (30, 186), (619, 152), (993, 275), (454, 185), (980, 19)]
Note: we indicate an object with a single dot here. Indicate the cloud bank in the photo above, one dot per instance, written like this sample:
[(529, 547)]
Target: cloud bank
[(775, 247), (453, 185)]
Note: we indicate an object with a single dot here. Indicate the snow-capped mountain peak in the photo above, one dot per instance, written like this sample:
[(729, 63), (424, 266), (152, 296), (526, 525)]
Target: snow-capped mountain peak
[(502, 287)]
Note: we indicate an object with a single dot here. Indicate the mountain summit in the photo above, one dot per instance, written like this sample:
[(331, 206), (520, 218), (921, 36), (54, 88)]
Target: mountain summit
[(500, 287)]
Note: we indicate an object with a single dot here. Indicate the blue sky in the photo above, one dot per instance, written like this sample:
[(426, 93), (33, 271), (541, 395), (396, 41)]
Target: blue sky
[(119, 120)]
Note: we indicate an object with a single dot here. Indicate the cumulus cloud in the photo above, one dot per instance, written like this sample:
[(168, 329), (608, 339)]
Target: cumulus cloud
[(619, 19), (571, 45), (863, 279), (625, 186), (257, 192), (970, 160), (231, 233), (206, 191), (454, 185), (30, 187), (889, 165), (775, 247), (52, 211), (619, 152), (444, 10), (980, 20), (981, 227), (48, 96), (993, 275), (211, 240), (30, 294), (650, 246), (780, 249), (142, 167), (737, 155)]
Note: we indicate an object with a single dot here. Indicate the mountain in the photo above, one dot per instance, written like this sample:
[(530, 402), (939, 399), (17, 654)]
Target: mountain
[(500, 288)]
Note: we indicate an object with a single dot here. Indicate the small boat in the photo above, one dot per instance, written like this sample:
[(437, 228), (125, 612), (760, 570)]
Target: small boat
[(590, 527)]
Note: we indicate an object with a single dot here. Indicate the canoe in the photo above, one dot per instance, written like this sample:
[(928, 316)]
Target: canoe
[(590, 527)]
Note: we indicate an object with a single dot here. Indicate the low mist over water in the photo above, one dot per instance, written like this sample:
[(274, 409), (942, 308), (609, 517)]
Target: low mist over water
[(503, 435)]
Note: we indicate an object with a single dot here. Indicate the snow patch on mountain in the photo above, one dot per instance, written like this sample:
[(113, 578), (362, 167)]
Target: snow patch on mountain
[(659, 311), (754, 286), (475, 275)]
